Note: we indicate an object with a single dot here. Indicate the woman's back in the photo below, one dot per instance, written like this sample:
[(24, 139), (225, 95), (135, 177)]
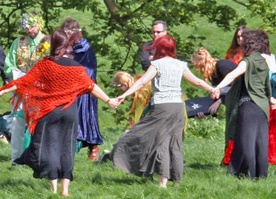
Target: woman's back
[(167, 83)]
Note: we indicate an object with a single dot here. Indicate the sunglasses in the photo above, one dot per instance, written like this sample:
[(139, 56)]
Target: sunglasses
[(117, 85)]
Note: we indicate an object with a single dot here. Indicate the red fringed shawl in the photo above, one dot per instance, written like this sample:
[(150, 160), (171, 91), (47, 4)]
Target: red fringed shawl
[(49, 85)]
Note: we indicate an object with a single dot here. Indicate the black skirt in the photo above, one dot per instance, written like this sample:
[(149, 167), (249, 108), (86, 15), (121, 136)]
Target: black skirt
[(52, 148)]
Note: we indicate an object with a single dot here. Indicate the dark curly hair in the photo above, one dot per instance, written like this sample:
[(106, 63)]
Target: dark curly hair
[(252, 41)]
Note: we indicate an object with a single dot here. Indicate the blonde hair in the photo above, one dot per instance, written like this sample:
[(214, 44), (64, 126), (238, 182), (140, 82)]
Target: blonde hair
[(121, 78), (143, 94), (204, 63)]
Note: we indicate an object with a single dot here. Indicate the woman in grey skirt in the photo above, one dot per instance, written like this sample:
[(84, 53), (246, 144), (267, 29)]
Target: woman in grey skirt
[(155, 143)]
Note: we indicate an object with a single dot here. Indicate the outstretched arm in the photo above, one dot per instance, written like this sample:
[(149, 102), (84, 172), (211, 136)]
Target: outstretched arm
[(7, 90), (142, 81), (190, 77), (99, 93), (229, 78)]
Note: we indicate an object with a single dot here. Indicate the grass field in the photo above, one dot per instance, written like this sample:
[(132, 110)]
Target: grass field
[(203, 150), (204, 178)]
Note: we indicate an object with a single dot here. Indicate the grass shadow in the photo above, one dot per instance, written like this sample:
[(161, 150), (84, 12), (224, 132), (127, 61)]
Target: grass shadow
[(202, 166), (5, 158)]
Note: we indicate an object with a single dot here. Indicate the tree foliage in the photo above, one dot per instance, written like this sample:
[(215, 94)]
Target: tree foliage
[(121, 26)]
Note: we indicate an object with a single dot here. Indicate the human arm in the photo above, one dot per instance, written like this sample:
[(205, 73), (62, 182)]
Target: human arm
[(145, 56), (214, 107), (148, 76), (229, 78), (11, 59), (99, 93), (7, 90), (191, 78)]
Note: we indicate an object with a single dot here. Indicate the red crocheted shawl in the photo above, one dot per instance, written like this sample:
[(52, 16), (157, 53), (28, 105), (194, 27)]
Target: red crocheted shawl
[(49, 85)]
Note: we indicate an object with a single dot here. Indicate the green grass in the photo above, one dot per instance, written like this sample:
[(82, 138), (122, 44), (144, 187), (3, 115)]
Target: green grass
[(203, 178), (203, 150)]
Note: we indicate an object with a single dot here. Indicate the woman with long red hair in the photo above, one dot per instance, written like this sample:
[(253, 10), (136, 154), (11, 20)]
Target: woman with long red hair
[(154, 144), (234, 53)]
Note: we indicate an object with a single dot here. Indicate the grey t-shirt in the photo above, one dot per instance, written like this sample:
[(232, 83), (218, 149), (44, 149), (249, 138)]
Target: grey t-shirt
[(166, 84)]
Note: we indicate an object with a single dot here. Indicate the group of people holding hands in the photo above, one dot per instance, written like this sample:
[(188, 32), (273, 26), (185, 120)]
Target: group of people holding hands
[(50, 92)]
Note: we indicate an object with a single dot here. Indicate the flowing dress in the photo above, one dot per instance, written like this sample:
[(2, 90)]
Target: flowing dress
[(49, 92), (154, 144), (88, 127)]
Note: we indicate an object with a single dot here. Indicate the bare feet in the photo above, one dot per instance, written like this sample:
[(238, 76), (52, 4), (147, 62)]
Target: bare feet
[(53, 185), (65, 194), (65, 187), (162, 181)]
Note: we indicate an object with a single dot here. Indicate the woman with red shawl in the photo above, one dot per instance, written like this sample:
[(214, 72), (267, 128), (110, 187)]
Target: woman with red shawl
[(49, 93)]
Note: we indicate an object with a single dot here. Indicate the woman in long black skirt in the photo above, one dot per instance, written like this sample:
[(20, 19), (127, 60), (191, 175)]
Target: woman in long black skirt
[(250, 96), (49, 91)]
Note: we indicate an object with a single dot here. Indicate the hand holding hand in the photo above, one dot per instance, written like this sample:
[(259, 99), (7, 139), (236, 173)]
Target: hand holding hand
[(121, 99), (113, 102), (215, 93)]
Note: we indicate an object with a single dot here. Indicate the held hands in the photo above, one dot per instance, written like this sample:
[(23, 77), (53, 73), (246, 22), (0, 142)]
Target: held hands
[(215, 93), (113, 102), (121, 99)]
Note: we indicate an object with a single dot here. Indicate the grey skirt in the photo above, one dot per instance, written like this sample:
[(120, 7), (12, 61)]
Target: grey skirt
[(154, 144)]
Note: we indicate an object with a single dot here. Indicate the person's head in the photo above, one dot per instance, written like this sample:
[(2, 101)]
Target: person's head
[(252, 41), (122, 80), (61, 44), (164, 46), (32, 23), (159, 28), (204, 62), (238, 35), (237, 38), (265, 43), (72, 28)]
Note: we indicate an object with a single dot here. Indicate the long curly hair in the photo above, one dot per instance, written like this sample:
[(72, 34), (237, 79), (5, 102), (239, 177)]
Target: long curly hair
[(204, 63), (252, 41)]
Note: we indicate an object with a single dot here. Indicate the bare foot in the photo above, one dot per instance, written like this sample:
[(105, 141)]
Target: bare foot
[(162, 181), (65, 194), (53, 184)]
